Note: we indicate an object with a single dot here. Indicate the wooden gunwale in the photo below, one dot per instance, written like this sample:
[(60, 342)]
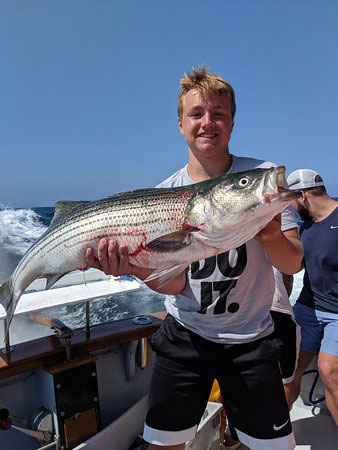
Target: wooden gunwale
[(50, 349)]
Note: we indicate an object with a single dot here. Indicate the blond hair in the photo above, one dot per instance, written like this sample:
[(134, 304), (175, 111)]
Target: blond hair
[(206, 83)]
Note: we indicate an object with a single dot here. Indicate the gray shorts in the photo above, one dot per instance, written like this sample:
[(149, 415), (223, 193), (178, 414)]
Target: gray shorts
[(319, 330)]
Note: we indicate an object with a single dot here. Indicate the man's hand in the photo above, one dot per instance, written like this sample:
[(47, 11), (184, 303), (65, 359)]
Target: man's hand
[(283, 248), (114, 260), (111, 259), (271, 231)]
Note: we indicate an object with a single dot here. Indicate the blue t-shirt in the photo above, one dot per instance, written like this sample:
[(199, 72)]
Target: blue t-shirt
[(320, 241)]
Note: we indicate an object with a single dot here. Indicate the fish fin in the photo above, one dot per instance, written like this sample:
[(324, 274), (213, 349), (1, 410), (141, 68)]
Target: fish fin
[(63, 208), (53, 278), (170, 242), (166, 275)]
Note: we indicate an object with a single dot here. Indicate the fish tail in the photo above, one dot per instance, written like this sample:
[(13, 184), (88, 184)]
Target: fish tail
[(7, 300)]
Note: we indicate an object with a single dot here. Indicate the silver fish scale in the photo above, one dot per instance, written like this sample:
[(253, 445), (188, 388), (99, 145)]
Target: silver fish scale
[(157, 213), (131, 218)]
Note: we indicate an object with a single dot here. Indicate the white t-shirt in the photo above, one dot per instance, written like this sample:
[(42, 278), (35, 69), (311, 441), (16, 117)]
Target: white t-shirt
[(228, 297), (280, 302)]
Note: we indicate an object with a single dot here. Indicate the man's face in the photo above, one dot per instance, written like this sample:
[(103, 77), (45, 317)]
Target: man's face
[(206, 123), (302, 211)]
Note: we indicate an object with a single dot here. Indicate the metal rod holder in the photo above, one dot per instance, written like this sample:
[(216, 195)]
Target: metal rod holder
[(142, 353), (87, 318), (8, 349), (55, 443)]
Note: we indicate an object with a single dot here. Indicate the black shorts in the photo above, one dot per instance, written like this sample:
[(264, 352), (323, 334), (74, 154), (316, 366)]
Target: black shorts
[(248, 375), (288, 334)]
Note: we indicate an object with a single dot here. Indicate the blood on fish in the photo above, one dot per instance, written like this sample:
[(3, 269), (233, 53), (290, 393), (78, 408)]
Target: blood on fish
[(140, 246), (187, 227)]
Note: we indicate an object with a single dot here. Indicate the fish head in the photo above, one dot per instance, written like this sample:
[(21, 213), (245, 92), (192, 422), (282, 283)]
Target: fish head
[(238, 198), (276, 188)]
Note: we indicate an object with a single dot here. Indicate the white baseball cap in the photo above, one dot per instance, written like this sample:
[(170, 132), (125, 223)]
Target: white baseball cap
[(304, 179)]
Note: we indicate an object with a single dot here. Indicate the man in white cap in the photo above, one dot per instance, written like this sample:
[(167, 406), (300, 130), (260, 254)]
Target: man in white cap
[(316, 310)]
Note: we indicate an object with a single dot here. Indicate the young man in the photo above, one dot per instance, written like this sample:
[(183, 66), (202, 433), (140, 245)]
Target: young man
[(316, 309), (197, 342)]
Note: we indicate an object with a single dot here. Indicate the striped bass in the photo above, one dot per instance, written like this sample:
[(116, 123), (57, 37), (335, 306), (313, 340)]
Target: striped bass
[(165, 229)]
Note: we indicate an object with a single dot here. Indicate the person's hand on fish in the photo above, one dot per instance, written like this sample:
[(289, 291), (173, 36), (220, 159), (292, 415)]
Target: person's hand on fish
[(277, 244), (271, 231), (113, 260)]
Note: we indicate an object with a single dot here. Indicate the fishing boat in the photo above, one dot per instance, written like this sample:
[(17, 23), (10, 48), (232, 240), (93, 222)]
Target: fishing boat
[(86, 388)]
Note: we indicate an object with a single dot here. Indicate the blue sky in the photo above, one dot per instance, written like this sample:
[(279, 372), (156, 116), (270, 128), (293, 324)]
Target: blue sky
[(88, 89)]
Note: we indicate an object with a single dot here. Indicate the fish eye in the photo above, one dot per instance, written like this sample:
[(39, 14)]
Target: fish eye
[(243, 181)]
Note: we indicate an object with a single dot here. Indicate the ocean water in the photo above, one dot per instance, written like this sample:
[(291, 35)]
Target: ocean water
[(19, 229)]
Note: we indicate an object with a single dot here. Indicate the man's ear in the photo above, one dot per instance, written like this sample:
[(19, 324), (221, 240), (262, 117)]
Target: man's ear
[(179, 122)]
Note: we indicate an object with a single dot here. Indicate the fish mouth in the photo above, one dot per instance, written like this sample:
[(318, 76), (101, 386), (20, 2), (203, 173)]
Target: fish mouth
[(277, 183)]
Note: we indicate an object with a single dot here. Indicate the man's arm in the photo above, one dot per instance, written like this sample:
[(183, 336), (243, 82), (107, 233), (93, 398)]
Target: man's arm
[(113, 260), (283, 249)]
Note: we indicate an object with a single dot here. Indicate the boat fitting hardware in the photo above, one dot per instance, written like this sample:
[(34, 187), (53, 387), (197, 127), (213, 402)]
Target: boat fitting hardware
[(55, 443), (39, 435), (87, 328), (142, 353), (8, 348), (61, 330), (142, 320), (39, 426), (129, 358), (5, 420)]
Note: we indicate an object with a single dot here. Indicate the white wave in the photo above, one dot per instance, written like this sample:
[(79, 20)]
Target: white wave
[(19, 229)]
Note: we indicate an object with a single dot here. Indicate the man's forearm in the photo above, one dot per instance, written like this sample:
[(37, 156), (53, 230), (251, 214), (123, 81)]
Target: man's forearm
[(285, 253)]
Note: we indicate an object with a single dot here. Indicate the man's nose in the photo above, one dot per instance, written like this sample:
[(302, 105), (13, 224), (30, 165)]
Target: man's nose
[(207, 120)]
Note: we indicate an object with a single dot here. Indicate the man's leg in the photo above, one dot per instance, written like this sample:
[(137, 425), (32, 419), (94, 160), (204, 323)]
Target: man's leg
[(292, 389), (288, 333), (328, 361), (180, 386), (312, 331), (328, 370), (254, 397), (177, 399)]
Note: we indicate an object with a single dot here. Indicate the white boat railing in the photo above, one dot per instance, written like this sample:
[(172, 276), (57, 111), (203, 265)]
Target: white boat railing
[(75, 287)]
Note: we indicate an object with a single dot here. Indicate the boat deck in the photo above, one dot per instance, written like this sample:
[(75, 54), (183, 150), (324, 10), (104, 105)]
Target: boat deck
[(313, 427)]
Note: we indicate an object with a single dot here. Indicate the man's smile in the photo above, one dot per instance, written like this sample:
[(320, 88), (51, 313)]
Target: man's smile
[(208, 135)]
